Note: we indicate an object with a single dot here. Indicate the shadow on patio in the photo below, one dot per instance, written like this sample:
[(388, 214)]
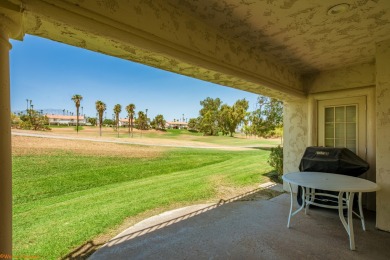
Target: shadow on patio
[(249, 228)]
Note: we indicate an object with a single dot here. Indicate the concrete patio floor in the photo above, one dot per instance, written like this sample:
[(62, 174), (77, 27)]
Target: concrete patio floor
[(254, 229)]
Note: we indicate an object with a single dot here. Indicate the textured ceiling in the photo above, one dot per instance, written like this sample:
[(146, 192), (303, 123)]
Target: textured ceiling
[(299, 33), (263, 46)]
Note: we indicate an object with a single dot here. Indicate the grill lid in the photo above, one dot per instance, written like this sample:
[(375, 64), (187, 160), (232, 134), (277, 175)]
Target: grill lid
[(333, 160)]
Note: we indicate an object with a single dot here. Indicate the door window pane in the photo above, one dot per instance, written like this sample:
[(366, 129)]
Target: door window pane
[(341, 127), (351, 131), (329, 114), (339, 143), (339, 114), (329, 130), (329, 142), (351, 114), (340, 130)]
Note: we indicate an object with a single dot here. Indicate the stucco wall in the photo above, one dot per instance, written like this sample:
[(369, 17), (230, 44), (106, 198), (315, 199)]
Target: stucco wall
[(383, 134), (295, 134), (347, 82), (368, 154), (357, 76)]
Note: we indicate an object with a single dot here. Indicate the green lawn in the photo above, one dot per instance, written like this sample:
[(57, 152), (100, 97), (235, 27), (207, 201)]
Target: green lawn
[(173, 133), (62, 200)]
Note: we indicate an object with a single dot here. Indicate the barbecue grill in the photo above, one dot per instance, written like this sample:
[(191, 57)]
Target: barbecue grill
[(332, 160)]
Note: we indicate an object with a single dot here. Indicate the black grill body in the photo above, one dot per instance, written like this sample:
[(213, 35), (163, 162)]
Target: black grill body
[(331, 160)]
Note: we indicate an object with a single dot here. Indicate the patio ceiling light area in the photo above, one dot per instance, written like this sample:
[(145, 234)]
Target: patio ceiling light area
[(338, 9)]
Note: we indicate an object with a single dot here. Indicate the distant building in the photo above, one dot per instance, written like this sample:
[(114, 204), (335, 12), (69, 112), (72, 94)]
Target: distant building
[(65, 120), (124, 122), (176, 125)]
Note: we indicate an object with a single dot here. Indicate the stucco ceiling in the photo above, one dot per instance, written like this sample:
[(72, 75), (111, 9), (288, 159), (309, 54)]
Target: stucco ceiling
[(300, 33), (262, 46)]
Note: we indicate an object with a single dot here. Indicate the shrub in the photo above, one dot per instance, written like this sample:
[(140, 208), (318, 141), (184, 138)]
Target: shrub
[(276, 161), (33, 121)]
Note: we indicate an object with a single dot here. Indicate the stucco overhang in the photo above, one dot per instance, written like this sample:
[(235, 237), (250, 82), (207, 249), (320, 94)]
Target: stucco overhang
[(264, 47)]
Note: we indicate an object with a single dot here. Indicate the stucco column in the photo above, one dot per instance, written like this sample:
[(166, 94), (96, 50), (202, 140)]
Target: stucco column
[(5, 142), (295, 134), (383, 134)]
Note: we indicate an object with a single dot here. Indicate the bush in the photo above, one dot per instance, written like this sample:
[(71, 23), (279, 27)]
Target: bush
[(33, 121), (276, 161)]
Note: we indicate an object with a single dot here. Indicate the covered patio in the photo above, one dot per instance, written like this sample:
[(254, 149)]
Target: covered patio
[(319, 57), (247, 229)]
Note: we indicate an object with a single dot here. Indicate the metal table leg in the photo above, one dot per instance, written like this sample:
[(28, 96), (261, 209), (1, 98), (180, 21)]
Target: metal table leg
[(361, 212), (292, 203), (347, 225)]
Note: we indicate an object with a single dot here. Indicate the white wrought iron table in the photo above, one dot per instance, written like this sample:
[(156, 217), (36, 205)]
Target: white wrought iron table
[(331, 182)]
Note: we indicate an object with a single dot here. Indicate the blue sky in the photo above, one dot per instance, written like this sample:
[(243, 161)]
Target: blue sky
[(50, 73)]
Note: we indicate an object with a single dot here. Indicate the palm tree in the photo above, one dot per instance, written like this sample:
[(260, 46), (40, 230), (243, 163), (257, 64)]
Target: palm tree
[(100, 108), (141, 121), (117, 110), (130, 111)]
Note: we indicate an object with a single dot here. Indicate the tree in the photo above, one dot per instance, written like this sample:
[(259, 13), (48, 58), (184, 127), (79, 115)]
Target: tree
[(130, 112), (77, 99), (246, 129), (34, 121), (224, 118), (100, 108), (193, 124), (231, 116), (267, 117), (238, 113), (142, 121), (92, 120), (273, 110), (14, 119), (108, 122), (208, 119), (159, 122), (117, 110)]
